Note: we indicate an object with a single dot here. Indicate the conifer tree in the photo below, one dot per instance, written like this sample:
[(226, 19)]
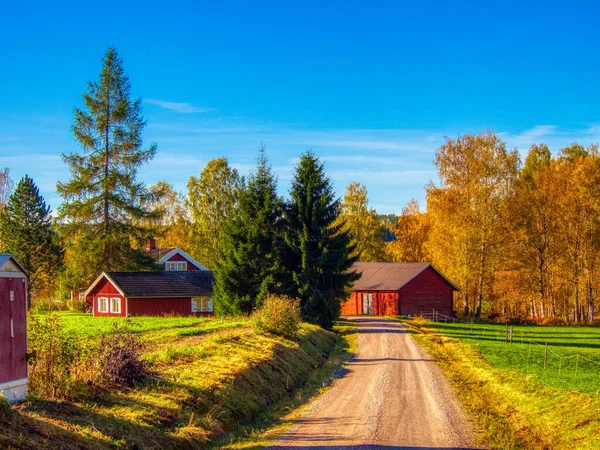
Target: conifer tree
[(248, 254), (318, 251), (27, 234), (104, 206)]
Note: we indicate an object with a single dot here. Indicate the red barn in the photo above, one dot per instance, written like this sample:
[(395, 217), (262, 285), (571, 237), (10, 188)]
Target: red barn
[(184, 293), (13, 329), (399, 289)]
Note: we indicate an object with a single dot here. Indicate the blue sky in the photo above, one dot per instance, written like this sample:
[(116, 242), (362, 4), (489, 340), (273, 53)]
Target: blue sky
[(371, 87)]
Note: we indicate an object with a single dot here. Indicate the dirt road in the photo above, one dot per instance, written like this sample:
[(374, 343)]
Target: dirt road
[(391, 396)]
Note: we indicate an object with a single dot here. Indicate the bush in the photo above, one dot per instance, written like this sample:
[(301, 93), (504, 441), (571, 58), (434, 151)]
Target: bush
[(120, 356), (4, 406), (46, 305), (278, 315), (78, 306), (51, 353)]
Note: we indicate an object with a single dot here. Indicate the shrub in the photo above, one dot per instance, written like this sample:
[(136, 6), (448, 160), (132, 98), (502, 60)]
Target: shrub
[(78, 306), (46, 305), (278, 315), (4, 406), (120, 357), (51, 353)]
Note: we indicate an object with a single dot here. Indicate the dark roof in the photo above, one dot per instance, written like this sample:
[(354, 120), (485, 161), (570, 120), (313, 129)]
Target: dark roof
[(163, 284), (157, 253), (382, 276)]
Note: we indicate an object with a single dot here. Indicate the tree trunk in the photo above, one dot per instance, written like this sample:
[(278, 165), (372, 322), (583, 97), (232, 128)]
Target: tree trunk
[(466, 300), (576, 299), (534, 313), (590, 300), (480, 280)]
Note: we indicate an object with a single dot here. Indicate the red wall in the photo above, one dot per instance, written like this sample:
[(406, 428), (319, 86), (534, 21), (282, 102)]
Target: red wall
[(428, 291), (385, 303), (178, 257), (13, 349), (179, 306), (104, 288)]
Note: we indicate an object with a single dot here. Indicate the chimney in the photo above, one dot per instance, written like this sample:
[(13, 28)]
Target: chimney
[(151, 244)]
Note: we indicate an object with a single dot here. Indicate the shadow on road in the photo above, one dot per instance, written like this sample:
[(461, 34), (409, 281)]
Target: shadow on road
[(383, 330), (361, 447), (368, 360)]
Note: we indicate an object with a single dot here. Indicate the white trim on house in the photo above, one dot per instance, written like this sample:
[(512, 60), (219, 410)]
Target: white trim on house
[(107, 304), (9, 269), (174, 266), (97, 280), (202, 304), (111, 303), (178, 251)]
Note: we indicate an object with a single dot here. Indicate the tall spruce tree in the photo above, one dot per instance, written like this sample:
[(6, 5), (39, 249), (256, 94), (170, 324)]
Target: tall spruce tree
[(104, 207), (26, 232), (318, 251), (248, 254)]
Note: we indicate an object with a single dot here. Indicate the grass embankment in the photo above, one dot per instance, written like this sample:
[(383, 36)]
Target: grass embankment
[(277, 420), (210, 376), (515, 402)]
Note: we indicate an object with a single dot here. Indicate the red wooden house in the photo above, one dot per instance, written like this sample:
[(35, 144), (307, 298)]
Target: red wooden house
[(13, 329), (399, 289), (183, 287), (184, 293)]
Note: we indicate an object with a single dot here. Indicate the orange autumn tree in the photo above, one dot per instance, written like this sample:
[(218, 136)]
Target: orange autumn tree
[(469, 211), (411, 233)]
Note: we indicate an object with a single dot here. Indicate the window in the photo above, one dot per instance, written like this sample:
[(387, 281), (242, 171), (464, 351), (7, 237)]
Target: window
[(202, 304), (115, 305), (171, 266), (102, 304)]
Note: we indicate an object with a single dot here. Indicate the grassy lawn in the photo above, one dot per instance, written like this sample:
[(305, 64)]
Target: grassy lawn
[(209, 377), (573, 359), (515, 403)]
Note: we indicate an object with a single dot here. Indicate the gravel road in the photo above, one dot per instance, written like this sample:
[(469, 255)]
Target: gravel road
[(392, 395)]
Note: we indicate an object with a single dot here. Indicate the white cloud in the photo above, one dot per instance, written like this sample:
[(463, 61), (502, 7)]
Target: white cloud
[(552, 136), (183, 108)]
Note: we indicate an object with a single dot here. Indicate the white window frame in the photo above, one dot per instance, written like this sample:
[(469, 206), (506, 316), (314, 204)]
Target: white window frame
[(176, 266), (100, 301), (110, 303), (202, 304)]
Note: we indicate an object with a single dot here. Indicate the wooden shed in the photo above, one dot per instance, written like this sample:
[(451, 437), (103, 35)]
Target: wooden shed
[(13, 329), (181, 293), (399, 289)]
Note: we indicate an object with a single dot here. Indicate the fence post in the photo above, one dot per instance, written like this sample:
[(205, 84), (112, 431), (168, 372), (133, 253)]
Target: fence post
[(559, 365), (506, 334), (545, 355)]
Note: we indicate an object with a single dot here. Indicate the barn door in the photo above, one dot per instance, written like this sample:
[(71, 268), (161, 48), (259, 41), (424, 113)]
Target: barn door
[(368, 304)]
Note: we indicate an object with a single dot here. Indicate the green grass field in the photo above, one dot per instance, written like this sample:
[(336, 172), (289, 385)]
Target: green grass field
[(208, 376), (514, 402), (573, 359)]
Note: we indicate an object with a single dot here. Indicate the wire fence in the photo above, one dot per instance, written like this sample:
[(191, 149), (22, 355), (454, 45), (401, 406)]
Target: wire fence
[(529, 354)]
